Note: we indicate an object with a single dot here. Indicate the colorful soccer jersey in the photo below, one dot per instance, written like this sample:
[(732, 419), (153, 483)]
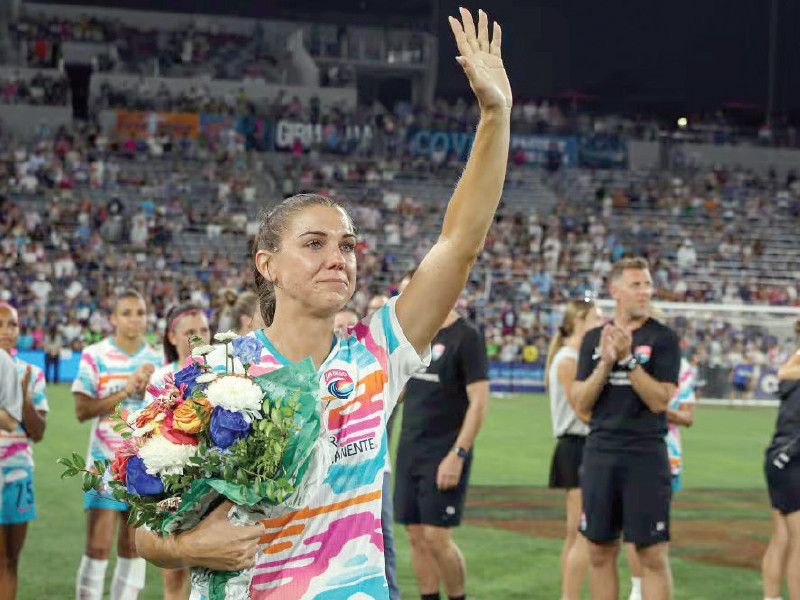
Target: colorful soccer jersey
[(104, 370), (16, 448), (17, 503), (687, 380), (332, 548)]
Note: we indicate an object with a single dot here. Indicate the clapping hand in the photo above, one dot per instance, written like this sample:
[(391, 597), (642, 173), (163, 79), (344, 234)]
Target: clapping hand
[(482, 61)]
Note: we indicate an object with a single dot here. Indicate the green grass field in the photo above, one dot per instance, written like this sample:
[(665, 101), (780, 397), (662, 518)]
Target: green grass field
[(507, 557)]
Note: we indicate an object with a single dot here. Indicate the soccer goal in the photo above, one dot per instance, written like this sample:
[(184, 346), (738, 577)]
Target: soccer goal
[(736, 349)]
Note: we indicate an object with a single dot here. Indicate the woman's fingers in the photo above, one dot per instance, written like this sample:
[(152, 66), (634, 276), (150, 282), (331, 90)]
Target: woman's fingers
[(469, 29), (497, 39), (461, 40), (483, 31)]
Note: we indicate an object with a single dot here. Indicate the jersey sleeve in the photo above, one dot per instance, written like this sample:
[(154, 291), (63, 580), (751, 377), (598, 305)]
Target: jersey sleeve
[(39, 390), (472, 357), (385, 339), (667, 357), (586, 358), (87, 380), (10, 387)]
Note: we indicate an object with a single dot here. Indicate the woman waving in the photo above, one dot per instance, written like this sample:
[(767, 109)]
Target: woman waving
[(305, 271)]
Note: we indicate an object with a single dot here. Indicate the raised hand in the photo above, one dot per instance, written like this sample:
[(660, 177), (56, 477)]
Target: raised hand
[(26, 385), (482, 60)]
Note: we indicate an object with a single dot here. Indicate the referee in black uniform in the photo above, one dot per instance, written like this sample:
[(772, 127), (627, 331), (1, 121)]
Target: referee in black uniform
[(627, 374), (444, 408)]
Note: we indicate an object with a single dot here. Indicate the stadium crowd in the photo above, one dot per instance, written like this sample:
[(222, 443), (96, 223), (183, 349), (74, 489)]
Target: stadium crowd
[(182, 208)]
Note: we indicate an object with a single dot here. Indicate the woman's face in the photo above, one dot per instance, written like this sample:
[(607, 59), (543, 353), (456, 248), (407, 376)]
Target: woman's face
[(315, 266), (9, 328), (188, 326)]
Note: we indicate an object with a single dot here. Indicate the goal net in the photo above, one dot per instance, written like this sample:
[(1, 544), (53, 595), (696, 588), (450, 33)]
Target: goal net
[(736, 349)]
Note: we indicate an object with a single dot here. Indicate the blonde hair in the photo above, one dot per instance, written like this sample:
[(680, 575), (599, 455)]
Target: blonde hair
[(573, 311)]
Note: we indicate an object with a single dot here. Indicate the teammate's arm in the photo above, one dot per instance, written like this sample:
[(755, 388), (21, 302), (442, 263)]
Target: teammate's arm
[(11, 394), (7, 422), (88, 407), (590, 382), (655, 394), (567, 369), (201, 547), (658, 389), (34, 421), (790, 371), (436, 284), (450, 469), (683, 416)]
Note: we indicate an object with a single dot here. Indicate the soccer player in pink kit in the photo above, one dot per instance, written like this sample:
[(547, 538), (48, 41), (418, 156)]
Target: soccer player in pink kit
[(17, 504), (305, 265), (112, 372), (183, 322)]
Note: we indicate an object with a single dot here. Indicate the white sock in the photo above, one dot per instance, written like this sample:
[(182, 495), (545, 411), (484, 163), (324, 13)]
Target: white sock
[(128, 578), (775, 598), (91, 579), (636, 588)]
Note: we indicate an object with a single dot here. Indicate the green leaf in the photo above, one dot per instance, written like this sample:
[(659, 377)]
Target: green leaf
[(125, 435), (71, 472), (100, 467), (64, 461), (77, 459)]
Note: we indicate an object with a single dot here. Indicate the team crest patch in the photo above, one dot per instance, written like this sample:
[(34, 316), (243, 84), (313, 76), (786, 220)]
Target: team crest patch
[(437, 350), (339, 382), (643, 354)]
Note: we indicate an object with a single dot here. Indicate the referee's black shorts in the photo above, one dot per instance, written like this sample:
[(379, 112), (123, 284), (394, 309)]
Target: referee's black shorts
[(628, 492), (783, 483), (566, 463), (417, 499)]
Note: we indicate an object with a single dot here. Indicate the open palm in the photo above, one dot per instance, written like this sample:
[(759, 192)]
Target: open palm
[(482, 60)]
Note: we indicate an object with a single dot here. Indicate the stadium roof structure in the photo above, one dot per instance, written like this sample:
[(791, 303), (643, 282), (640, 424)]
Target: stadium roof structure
[(415, 13)]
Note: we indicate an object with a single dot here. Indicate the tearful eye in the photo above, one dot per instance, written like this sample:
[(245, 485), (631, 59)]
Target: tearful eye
[(348, 247)]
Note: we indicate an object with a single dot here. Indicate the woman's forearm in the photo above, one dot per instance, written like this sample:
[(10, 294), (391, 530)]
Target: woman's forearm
[(163, 552), (471, 209)]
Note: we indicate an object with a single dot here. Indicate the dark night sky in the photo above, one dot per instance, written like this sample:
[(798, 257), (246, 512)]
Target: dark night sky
[(688, 54)]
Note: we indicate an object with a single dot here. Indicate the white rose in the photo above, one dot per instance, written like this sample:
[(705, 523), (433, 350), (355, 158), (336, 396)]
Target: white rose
[(202, 350), (224, 338), (236, 394), (162, 457)]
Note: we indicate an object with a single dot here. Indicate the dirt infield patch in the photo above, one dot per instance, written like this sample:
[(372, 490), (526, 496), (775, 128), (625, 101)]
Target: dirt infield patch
[(720, 527)]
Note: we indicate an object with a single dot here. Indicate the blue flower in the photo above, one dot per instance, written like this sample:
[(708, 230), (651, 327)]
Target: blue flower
[(139, 481), (188, 376), (247, 349), (227, 427)]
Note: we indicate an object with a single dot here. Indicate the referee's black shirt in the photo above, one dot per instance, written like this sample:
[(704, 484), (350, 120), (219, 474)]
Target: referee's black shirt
[(436, 401), (621, 421)]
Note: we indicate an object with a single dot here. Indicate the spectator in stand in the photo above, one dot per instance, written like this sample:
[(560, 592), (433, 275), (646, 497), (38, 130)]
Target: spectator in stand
[(52, 345)]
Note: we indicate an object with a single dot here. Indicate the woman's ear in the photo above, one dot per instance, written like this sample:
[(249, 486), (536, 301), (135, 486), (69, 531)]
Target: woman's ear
[(262, 264)]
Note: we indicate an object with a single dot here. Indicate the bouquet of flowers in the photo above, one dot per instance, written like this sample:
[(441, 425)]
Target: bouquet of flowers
[(209, 435)]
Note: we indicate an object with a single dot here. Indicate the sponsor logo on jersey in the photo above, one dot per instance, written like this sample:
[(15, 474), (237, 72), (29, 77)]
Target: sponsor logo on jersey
[(643, 354), (437, 351), (339, 382)]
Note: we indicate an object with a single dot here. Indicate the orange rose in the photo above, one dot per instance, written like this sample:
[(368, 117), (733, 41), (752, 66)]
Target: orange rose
[(185, 418)]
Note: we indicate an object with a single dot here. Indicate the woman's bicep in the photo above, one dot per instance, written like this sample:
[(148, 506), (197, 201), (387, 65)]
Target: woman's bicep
[(432, 293)]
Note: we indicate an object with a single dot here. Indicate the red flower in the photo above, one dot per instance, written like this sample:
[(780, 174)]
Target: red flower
[(119, 468), (174, 435)]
